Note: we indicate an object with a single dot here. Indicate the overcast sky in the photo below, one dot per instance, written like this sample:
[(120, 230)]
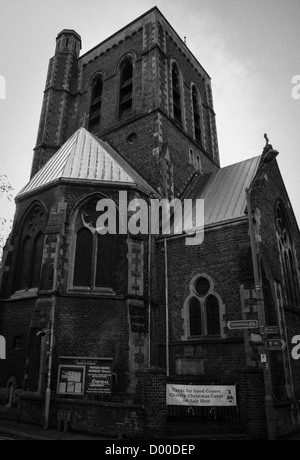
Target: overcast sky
[(249, 48)]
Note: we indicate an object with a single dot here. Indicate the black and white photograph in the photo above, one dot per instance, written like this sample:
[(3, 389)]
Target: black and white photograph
[(149, 223)]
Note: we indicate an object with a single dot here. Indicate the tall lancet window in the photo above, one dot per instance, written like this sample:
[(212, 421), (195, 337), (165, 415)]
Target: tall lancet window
[(287, 257), (95, 107), (126, 88), (31, 250), (202, 309), (97, 256), (177, 97), (196, 114)]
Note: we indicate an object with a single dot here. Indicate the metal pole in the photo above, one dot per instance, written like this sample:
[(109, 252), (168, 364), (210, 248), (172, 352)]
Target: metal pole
[(50, 353), (149, 285), (167, 307), (269, 407)]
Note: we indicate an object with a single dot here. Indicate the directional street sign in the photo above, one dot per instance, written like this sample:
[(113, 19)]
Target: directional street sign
[(275, 344), (271, 329), (243, 324)]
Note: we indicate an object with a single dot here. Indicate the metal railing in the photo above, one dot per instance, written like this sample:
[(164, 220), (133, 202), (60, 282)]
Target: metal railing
[(198, 415)]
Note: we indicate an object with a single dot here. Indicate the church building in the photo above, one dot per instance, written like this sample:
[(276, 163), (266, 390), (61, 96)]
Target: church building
[(99, 326)]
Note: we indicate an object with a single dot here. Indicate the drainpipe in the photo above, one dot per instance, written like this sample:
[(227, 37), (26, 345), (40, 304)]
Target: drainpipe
[(149, 284), (167, 306), (50, 354)]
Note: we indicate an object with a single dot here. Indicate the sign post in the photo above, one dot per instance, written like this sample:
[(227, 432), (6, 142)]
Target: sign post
[(271, 329), (275, 344), (243, 324)]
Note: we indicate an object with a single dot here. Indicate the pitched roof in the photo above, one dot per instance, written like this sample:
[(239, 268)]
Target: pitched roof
[(87, 158), (224, 191)]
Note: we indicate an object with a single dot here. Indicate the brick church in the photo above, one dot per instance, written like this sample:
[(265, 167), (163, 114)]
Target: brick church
[(96, 325)]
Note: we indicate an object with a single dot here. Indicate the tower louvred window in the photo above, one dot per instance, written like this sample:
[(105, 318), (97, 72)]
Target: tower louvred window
[(96, 102), (126, 89), (196, 114), (176, 94)]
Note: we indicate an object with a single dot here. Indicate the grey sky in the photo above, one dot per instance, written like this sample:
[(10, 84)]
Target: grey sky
[(249, 48)]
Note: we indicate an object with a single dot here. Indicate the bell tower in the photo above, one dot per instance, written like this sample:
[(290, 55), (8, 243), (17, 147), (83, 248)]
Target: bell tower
[(60, 95)]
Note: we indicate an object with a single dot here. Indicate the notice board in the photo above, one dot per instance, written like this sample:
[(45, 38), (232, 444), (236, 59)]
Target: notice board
[(79, 376), (98, 379), (71, 380)]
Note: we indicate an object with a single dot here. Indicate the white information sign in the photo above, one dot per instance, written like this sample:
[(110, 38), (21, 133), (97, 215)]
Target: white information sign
[(201, 395)]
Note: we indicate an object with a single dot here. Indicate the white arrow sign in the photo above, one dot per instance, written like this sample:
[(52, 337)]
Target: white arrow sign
[(243, 324)]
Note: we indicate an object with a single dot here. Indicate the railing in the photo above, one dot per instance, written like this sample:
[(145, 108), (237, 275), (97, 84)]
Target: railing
[(191, 415)]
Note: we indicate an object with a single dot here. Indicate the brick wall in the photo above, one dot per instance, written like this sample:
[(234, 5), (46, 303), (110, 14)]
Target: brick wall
[(147, 420), (251, 403), (14, 322), (153, 391), (219, 258), (268, 191), (93, 418), (86, 324), (93, 327)]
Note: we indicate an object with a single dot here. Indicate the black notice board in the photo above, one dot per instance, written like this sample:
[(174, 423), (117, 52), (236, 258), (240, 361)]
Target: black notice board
[(71, 380), (78, 376)]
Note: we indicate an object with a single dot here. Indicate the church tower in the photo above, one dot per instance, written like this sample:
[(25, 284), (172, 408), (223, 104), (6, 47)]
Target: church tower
[(56, 122), (142, 91)]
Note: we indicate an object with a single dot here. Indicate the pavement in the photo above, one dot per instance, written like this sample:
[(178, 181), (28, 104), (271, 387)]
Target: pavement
[(10, 426)]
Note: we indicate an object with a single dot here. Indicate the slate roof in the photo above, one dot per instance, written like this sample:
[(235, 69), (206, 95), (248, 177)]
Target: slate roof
[(87, 158), (224, 191)]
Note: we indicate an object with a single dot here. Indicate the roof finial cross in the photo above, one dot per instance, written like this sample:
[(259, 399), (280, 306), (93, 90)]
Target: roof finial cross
[(267, 140)]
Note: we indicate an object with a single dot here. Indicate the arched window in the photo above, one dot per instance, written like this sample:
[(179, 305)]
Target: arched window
[(212, 315), (95, 254), (95, 107), (285, 243), (195, 317), (38, 248), (83, 258), (203, 308), (31, 250), (24, 282), (126, 88), (196, 115), (176, 88)]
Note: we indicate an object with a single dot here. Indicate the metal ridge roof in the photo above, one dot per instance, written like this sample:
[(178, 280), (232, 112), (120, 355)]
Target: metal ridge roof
[(224, 191), (85, 157)]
